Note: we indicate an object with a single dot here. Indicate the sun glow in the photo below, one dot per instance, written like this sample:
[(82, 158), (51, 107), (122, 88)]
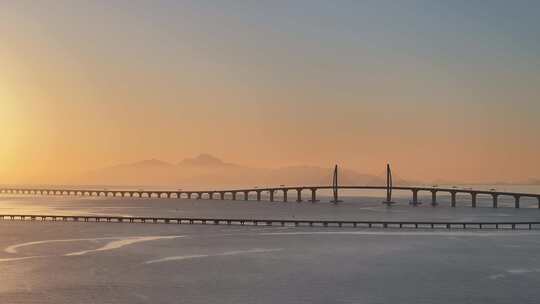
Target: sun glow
[(10, 128)]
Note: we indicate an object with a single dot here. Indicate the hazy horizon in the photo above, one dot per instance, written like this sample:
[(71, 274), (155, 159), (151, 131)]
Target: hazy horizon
[(205, 170), (441, 90)]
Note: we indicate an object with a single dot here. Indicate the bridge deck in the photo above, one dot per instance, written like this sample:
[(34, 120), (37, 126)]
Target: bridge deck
[(255, 190), (271, 191)]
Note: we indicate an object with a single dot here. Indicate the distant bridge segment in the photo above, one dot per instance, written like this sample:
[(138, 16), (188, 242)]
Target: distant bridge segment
[(244, 194), (531, 225)]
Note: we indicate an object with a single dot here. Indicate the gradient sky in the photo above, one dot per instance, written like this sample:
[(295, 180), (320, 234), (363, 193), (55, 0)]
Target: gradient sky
[(441, 89)]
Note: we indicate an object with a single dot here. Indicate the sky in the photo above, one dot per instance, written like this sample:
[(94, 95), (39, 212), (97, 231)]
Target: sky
[(443, 90)]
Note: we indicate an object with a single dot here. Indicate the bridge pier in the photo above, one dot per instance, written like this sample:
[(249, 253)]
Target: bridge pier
[(538, 201), (453, 199), (495, 200), (222, 196), (415, 197), (299, 195), (246, 195), (233, 195), (433, 198), (272, 195), (516, 201), (285, 195), (314, 195), (258, 195), (473, 198)]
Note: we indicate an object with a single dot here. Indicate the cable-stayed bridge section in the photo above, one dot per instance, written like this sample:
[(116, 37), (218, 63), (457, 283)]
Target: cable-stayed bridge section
[(236, 194), (270, 193)]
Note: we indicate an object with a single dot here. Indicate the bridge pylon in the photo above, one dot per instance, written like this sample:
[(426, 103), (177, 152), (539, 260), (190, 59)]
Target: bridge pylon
[(335, 187), (389, 186)]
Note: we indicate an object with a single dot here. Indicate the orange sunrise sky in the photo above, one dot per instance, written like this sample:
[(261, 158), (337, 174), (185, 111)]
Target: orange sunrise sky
[(442, 90)]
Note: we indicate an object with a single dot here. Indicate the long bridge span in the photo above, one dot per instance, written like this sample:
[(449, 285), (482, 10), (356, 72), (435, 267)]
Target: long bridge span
[(245, 194), (529, 225)]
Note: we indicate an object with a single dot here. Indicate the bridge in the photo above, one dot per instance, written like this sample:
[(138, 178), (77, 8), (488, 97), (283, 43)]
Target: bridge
[(521, 225), (270, 193)]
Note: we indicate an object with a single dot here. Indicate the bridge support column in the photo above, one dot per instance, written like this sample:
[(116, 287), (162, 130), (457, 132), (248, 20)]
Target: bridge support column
[(433, 198), (271, 195), (199, 195), (453, 199), (246, 195), (538, 201), (222, 196), (516, 202), (233, 195), (314, 195), (415, 197), (285, 195), (495, 200), (258, 195), (473, 197), (299, 195)]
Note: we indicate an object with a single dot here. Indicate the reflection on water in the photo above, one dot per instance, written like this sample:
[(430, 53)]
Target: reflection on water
[(124, 242), (218, 264)]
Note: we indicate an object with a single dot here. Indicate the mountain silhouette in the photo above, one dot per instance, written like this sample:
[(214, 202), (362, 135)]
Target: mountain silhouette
[(203, 160), (205, 171)]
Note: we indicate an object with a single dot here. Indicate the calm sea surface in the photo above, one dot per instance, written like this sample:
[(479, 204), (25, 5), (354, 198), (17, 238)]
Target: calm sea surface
[(57, 262)]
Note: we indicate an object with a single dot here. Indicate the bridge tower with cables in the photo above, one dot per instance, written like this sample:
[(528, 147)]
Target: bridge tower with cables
[(335, 187), (389, 186)]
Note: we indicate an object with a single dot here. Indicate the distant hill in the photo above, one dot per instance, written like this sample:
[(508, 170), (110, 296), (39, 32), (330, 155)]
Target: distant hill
[(204, 160), (208, 171)]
